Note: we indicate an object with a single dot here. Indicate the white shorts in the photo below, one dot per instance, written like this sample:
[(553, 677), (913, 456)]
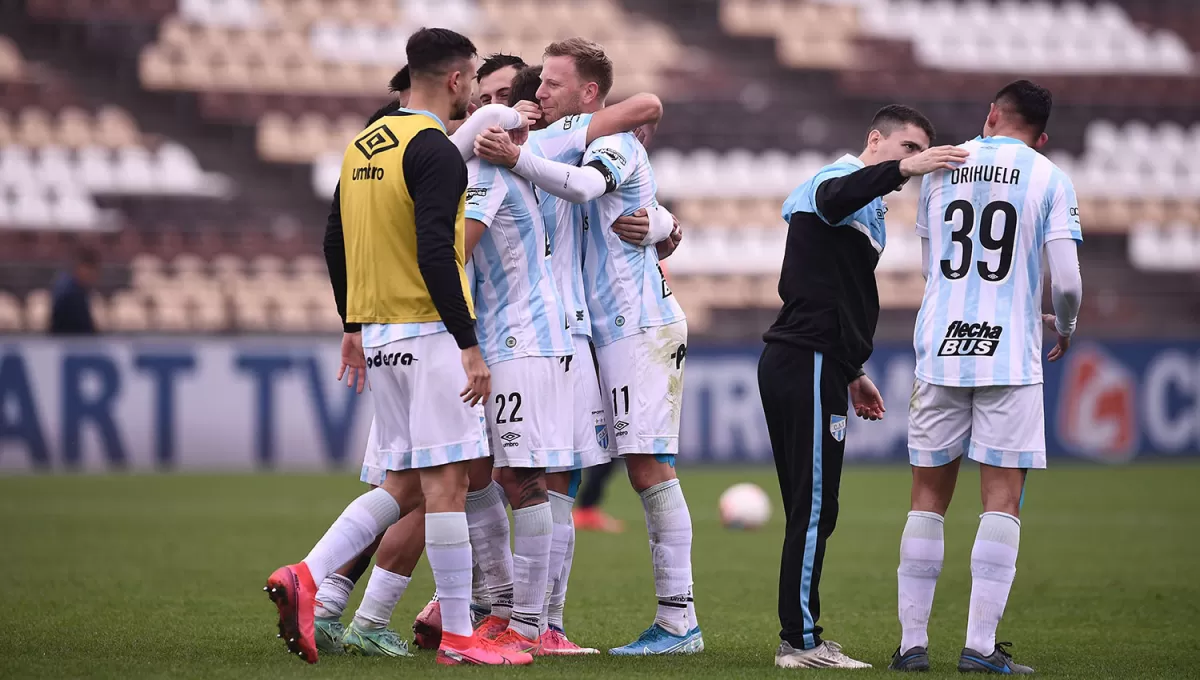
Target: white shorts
[(529, 413), (642, 380), (420, 421), (374, 467), (591, 429), (1001, 425)]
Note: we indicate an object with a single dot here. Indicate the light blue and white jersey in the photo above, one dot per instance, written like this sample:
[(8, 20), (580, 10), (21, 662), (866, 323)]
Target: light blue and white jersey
[(623, 283), (980, 321), (869, 219), (517, 309), (565, 141)]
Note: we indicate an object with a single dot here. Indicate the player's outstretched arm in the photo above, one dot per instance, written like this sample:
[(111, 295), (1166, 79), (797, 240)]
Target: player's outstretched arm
[(1066, 291), (492, 115), (568, 182), (640, 109)]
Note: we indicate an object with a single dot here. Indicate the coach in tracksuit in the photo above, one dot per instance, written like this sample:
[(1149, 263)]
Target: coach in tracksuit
[(816, 349)]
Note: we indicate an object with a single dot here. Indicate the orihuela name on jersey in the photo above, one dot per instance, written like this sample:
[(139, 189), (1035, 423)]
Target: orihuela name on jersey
[(970, 339), (985, 173)]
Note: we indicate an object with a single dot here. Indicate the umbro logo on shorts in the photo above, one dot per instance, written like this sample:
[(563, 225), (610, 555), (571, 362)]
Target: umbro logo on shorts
[(970, 339), (621, 427), (510, 439), (391, 359)]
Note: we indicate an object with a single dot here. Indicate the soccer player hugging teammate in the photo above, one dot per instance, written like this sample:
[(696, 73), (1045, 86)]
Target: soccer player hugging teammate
[(816, 348), (623, 302), (405, 282), (984, 227), (403, 542)]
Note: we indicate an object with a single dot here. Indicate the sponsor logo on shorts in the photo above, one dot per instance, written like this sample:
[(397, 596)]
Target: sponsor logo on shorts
[(620, 321), (970, 339), (511, 439), (510, 342), (837, 428), (390, 359), (622, 428), (1097, 412)]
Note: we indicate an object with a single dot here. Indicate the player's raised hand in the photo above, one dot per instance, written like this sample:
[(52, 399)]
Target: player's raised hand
[(495, 146), (479, 378), (530, 111), (868, 402), (933, 158), (633, 228), (354, 362), (1064, 341)]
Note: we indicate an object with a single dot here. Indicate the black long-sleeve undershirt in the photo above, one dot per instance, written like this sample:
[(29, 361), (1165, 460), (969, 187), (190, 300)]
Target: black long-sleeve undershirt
[(841, 197)]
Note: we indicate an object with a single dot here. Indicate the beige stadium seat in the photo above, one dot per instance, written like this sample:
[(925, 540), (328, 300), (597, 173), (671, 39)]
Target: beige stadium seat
[(10, 60), (171, 318), (292, 315), (115, 128), (8, 136), (37, 310), (210, 315), (128, 312), (270, 75), (324, 319), (147, 272), (307, 77), (188, 266), (228, 268), (310, 136), (346, 78), (274, 138), (35, 128), (175, 31), (11, 317), (74, 127), (309, 266), (156, 70), (751, 17), (265, 265), (232, 74), (252, 313), (194, 72)]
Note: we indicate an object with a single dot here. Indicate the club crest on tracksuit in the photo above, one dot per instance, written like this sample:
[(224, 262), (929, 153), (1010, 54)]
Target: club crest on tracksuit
[(837, 428)]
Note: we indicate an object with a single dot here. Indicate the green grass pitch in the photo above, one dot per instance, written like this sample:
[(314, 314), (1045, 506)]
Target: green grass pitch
[(161, 576)]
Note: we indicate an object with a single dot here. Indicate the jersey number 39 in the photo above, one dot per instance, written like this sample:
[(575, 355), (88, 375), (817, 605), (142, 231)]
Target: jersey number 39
[(987, 239)]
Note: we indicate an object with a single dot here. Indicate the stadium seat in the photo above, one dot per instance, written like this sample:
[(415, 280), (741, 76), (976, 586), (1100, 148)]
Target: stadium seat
[(11, 318), (127, 312), (10, 60), (37, 310)]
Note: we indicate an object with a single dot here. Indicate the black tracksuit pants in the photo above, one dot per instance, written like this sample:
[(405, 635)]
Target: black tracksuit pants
[(805, 398)]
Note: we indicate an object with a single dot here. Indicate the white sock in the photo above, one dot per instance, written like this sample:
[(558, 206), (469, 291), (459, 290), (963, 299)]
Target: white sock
[(670, 528), (384, 590), (448, 549), (922, 548), (533, 529), (489, 540), (365, 518), (479, 589), (993, 567), (332, 596), (560, 512), (558, 598)]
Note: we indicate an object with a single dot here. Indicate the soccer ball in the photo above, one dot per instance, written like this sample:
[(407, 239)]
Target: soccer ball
[(744, 506)]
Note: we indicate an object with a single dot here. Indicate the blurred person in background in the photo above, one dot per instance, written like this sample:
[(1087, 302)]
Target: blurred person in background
[(71, 311)]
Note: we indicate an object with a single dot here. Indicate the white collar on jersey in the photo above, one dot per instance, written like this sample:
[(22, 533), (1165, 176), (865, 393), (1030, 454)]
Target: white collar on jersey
[(851, 159), (999, 139)]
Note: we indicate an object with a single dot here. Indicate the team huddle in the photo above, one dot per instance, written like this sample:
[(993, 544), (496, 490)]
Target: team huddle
[(499, 256), (494, 247)]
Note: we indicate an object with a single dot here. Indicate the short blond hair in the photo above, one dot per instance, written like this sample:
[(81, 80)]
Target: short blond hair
[(590, 60)]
